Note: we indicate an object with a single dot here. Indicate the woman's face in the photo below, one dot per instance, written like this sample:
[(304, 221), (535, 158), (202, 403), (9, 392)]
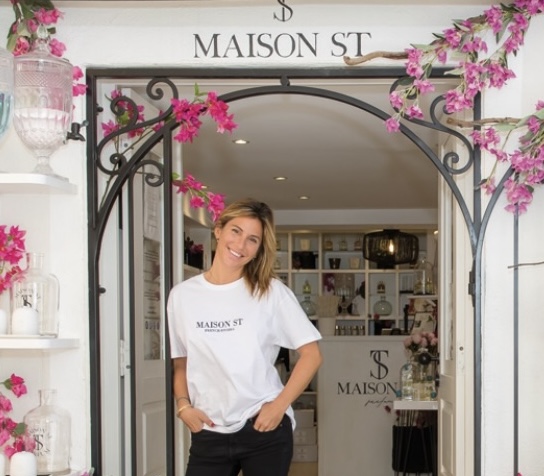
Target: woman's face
[(239, 241)]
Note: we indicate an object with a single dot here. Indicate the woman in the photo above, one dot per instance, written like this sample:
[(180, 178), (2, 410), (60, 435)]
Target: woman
[(226, 328)]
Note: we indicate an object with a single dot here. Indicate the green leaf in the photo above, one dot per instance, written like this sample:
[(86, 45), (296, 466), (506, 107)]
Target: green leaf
[(19, 429)]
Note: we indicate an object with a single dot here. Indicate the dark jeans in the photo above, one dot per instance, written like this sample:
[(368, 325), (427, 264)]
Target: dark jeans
[(255, 453)]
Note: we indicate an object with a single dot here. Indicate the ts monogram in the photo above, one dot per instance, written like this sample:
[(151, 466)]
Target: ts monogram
[(219, 326), (286, 12), (381, 371)]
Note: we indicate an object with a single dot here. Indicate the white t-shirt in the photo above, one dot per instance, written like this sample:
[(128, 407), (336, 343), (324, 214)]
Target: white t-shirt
[(231, 341)]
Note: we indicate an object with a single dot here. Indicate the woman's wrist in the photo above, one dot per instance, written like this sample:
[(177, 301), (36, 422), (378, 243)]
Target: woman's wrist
[(182, 408), (178, 399)]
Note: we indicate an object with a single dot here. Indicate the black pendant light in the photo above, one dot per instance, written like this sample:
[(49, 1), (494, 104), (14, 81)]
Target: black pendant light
[(388, 248)]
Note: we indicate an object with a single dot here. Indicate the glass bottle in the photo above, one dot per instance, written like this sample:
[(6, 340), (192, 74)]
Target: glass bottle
[(327, 244), (50, 425), (358, 245), (423, 279), (407, 381), (343, 245), (307, 305), (34, 288), (383, 307)]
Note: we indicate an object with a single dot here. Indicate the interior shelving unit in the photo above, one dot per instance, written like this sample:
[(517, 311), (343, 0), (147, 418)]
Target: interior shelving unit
[(330, 261)]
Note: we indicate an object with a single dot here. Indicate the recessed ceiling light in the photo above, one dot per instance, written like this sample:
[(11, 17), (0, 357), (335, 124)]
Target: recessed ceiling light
[(279, 178), (240, 141), (304, 197)]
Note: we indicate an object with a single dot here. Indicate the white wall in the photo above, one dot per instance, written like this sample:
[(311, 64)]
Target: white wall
[(105, 34)]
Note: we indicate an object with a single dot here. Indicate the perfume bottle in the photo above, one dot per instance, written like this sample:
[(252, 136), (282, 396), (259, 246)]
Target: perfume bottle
[(50, 424), (383, 307), (307, 305)]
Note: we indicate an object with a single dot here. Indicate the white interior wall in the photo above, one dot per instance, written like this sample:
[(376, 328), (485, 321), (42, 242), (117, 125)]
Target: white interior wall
[(104, 33)]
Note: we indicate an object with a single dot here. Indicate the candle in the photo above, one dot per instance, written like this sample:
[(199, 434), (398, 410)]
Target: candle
[(3, 330), (23, 464), (25, 321)]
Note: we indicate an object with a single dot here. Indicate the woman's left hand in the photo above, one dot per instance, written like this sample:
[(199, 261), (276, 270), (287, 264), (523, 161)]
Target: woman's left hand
[(269, 417)]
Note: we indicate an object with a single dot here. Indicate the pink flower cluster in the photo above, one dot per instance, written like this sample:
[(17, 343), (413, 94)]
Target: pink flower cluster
[(187, 114), (11, 431), (421, 340), (508, 23), (23, 33), (12, 249), (200, 198)]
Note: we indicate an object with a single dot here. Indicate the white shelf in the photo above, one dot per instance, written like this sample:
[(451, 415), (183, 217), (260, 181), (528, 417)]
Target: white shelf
[(37, 343), (34, 183), (415, 405)]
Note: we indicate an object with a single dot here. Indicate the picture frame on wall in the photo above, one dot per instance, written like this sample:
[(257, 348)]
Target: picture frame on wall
[(424, 322)]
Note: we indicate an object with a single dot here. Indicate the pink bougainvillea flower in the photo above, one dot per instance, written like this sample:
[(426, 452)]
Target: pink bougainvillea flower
[(392, 124)]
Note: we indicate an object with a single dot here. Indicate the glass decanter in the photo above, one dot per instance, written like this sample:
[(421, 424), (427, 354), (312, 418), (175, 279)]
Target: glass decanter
[(6, 89), (35, 288), (383, 307), (50, 425), (43, 101)]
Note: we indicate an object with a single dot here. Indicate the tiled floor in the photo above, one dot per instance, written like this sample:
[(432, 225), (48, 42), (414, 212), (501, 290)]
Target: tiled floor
[(303, 469)]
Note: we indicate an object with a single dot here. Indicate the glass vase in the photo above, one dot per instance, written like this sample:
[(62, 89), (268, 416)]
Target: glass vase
[(383, 307), (50, 425), (43, 101), (308, 306), (36, 289), (6, 89)]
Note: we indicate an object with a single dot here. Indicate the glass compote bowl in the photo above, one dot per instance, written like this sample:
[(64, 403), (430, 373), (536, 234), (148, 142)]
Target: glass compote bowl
[(6, 90), (43, 102)]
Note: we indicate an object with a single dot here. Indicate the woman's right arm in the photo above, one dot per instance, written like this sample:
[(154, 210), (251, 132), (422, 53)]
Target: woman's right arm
[(192, 417)]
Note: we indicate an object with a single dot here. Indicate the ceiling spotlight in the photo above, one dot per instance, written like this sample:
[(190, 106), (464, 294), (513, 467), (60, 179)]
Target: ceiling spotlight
[(240, 141), (279, 178), (304, 197)]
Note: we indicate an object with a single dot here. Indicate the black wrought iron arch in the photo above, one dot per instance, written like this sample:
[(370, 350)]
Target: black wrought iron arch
[(121, 171)]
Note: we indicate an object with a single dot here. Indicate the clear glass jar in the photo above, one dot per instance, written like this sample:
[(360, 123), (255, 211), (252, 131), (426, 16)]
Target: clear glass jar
[(50, 425), (43, 101), (383, 307), (423, 277), (34, 288)]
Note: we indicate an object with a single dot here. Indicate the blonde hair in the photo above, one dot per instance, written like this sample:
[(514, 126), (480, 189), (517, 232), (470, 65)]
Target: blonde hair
[(259, 272)]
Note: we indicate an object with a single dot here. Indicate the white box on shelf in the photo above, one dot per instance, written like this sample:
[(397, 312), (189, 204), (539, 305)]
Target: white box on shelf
[(304, 453), (304, 418), (305, 436)]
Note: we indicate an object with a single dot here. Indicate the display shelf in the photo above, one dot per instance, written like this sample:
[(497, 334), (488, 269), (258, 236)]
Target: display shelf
[(415, 405), (360, 276), (30, 183), (38, 343)]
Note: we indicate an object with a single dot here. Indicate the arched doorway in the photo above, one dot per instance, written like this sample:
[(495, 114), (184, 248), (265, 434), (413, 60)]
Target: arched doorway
[(121, 186)]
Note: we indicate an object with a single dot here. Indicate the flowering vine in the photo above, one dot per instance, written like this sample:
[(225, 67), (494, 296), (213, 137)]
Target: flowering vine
[(35, 19), (11, 432), (477, 70), (187, 115), (12, 249)]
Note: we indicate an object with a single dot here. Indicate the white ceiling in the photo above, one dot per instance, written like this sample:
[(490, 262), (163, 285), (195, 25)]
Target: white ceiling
[(339, 156)]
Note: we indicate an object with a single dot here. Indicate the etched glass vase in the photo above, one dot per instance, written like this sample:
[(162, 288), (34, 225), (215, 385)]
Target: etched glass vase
[(50, 425), (43, 102)]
